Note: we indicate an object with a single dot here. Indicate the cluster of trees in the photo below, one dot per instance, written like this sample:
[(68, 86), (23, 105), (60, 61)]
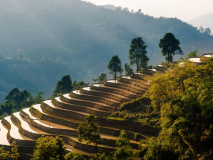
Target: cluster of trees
[(138, 54), (205, 31), (86, 38), (181, 103), (9, 154), (102, 78), (65, 85), (184, 99), (16, 100)]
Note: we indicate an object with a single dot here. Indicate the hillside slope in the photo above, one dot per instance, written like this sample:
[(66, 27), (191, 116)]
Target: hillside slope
[(71, 36), (203, 20), (62, 115)]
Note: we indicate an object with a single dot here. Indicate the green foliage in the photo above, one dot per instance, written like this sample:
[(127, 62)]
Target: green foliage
[(157, 151), (48, 148), (38, 98), (115, 66), (13, 154), (128, 70), (63, 86), (184, 97), (102, 78), (15, 100), (88, 132), (74, 156), (169, 46), (79, 85), (139, 110), (123, 150), (85, 38), (137, 53), (101, 156), (192, 54)]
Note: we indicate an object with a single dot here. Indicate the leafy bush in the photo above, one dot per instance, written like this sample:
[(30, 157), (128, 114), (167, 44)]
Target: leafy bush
[(74, 156)]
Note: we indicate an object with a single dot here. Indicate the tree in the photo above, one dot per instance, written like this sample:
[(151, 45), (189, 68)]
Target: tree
[(13, 154), (201, 29), (48, 148), (15, 100), (192, 54), (74, 156), (128, 70), (101, 78), (17, 95), (79, 85), (88, 131), (207, 31), (38, 98), (169, 46), (63, 86), (184, 97), (123, 150), (137, 53), (115, 66)]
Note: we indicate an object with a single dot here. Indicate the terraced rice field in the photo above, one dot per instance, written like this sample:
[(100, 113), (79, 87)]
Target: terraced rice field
[(62, 115)]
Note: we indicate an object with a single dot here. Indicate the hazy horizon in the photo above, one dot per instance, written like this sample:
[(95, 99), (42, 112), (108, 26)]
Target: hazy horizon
[(184, 10)]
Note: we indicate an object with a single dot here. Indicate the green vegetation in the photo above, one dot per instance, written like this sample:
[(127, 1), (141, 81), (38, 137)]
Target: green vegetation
[(13, 154), (88, 132), (48, 148), (115, 66), (101, 79), (16, 100), (38, 98), (128, 69), (74, 156), (57, 39), (123, 150), (63, 86), (184, 98), (139, 110), (137, 53), (180, 103), (192, 54), (79, 85), (169, 46)]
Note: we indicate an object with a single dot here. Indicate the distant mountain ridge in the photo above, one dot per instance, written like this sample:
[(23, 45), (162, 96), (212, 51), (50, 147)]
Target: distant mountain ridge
[(204, 20), (47, 39), (109, 6)]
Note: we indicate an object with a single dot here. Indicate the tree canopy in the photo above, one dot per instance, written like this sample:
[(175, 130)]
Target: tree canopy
[(128, 69), (169, 46), (48, 148), (184, 97), (137, 53), (101, 78), (13, 154), (192, 54), (88, 131), (63, 86), (79, 85), (124, 150), (115, 66), (16, 100)]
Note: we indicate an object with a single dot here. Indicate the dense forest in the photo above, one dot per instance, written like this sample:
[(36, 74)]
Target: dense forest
[(41, 43), (180, 104)]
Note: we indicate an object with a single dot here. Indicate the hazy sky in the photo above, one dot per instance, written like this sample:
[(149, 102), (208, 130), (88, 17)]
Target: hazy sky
[(182, 9)]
